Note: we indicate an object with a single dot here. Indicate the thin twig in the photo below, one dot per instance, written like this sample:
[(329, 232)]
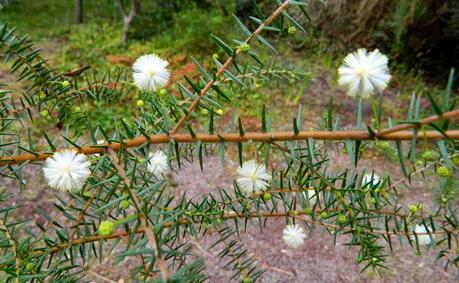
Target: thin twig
[(142, 217), (226, 65)]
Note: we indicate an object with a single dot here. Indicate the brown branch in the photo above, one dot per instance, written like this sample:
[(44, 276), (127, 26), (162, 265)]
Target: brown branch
[(235, 137), (225, 66), (425, 121), (229, 215)]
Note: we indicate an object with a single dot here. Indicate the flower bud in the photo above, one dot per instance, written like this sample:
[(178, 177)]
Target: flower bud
[(140, 103), (42, 95), (44, 113), (244, 47), (215, 56), (204, 111), (413, 208), (443, 171), (163, 91), (308, 211), (372, 200), (323, 215), (267, 196), (65, 84), (106, 228), (124, 204), (428, 155), (342, 219), (219, 112), (29, 266), (291, 30)]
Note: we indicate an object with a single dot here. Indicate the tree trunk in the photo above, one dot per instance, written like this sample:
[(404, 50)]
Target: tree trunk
[(128, 18), (78, 11)]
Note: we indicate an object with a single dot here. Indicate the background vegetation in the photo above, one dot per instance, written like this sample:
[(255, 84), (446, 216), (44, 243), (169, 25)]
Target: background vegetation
[(420, 36)]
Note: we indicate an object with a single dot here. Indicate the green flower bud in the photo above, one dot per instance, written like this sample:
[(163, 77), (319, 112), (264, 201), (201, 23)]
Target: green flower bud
[(429, 155), (247, 280), (267, 196), (204, 111), (413, 208), (29, 266), (323, 215), (44, 113), (291, 30), (219, 112), (140, 103), (124, 204), (86, 194), (244, 47), (443, 171), (106, 228), (218, 220), (215, 56), (342, 219), (372, 200), (420, 163), (308, 211), (65, 84), (76, 109), (42, 95), (163, 91)]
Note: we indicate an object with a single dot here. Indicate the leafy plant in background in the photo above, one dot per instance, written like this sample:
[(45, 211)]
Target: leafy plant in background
[(113, 182)]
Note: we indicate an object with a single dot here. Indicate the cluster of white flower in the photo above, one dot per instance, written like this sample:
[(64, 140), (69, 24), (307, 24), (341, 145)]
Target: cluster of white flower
[(363, 73), (67, 170), (150, 72), (293, 235), (253, 177), (157, 163)]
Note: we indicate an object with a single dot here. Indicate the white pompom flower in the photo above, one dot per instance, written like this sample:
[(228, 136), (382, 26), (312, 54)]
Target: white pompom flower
[(423, 239), (150, 72), (157, 163), (363, 73), (293, 235), (370, 179), (67, 170), (253, 177)]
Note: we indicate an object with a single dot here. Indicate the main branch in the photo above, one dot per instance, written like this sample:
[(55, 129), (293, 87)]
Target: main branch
[(235, 137)]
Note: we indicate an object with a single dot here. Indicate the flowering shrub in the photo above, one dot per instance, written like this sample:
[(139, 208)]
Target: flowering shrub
[(114, 191)]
